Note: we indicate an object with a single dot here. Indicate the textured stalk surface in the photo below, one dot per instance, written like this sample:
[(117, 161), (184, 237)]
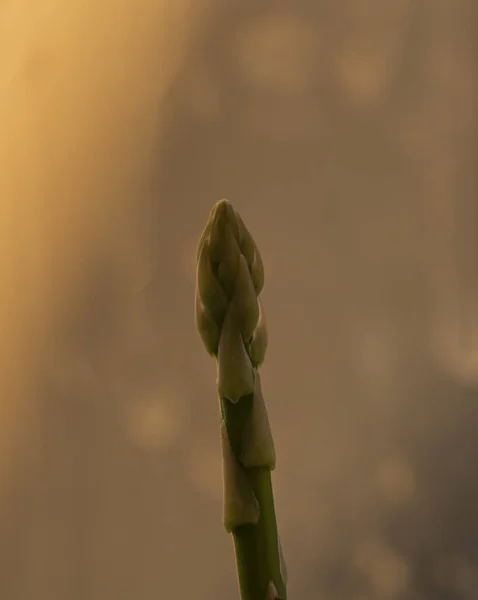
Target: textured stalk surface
[(230, 321)]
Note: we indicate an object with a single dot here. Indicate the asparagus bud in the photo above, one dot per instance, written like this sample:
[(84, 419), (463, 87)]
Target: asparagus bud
[(230, 320)]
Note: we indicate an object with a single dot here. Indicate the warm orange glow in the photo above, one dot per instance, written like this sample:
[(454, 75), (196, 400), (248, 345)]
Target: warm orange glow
[(81, 91)]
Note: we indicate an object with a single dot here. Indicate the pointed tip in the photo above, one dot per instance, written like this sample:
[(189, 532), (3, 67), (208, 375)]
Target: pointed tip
[(240, 506), (222, 208), (235, 373), (223, 202), (257, 444)]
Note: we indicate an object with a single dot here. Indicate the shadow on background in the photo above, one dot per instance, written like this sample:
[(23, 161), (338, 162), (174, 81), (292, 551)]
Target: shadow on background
[(346, 136)]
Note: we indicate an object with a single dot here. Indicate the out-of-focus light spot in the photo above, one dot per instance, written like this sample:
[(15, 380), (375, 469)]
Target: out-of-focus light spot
[(153, 424), (278, 53), (363, 77), (454, 343), (205, 470), (386, 570), (395, 480)]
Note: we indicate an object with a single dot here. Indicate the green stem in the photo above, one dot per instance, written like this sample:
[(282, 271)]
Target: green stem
[(230, 320), (256, 546)]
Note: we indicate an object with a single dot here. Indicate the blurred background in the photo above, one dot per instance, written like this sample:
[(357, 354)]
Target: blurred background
[(345, 133)]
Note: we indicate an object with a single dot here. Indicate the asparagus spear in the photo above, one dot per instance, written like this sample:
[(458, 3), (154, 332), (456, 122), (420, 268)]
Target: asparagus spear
[(230, 320)]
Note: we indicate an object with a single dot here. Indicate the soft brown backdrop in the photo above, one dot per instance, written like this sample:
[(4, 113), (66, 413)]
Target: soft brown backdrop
[(345, 133)]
